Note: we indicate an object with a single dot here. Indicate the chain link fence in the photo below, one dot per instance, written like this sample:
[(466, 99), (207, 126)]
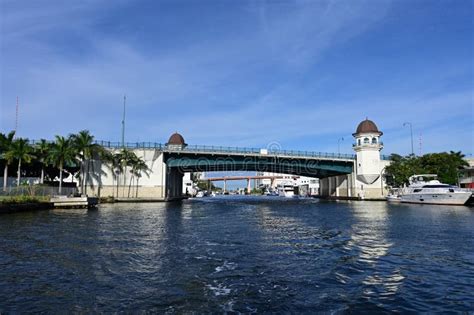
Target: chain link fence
[(38, 190)]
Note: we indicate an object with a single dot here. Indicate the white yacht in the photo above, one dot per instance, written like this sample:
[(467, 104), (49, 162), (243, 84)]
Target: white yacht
[(426, 189), (286, 190)]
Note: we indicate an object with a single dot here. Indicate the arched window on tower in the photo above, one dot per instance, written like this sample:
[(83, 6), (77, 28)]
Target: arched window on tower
[(358, 141), (366, 141), (374, 140)]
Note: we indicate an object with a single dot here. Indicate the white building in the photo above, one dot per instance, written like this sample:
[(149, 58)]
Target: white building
[(310, 184), (366, 180)]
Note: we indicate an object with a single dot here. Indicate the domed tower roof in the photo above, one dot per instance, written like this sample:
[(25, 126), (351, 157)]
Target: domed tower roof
[(176, 139), (367, 126)]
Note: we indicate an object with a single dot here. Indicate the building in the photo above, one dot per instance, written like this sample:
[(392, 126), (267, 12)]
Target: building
[(309, 185), (366, 180), (466, 176)]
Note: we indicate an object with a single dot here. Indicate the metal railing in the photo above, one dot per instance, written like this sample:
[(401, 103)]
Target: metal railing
[(224, 149), (221, 149)]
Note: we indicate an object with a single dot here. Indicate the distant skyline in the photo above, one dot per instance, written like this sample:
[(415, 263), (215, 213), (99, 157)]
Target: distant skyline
[(302, 74)]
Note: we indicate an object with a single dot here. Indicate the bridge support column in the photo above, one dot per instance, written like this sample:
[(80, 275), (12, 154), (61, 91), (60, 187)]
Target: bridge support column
[(225, 186), (174, 183), (248, 186)]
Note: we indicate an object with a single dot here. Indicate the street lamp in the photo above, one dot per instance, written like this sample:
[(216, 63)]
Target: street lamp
[(338, 145), (411, 134)]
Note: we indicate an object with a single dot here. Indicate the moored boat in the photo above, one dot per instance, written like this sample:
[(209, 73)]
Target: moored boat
[(394, 195), (286, 190), (426, 189)]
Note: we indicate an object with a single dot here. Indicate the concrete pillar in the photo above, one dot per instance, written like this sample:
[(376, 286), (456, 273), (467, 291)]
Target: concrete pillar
[(225, 185), (348, 184), (248, 185), (329, 186)]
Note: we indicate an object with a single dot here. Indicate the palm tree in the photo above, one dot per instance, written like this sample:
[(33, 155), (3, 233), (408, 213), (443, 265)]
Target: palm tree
[(41, 152), (126, 158), (86, 149), (20, 150), (5, 144), (139, 168), (108, 159), (62, 152), (132, 163)]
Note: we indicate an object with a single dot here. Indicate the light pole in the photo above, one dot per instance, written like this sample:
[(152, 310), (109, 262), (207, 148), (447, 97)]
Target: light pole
[(411, 134), (338, 145)]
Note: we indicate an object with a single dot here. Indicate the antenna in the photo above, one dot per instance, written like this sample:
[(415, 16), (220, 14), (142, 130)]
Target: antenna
[(123, 121), (16, 117), (421, 143)]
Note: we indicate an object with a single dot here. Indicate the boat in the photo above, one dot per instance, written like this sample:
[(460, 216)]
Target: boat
[(200, 194), (286, 190), (427, 189), (394, 195)]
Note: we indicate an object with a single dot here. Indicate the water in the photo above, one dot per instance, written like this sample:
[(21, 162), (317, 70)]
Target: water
[(239, 255)]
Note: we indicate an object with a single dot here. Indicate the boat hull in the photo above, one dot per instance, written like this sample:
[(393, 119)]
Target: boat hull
[(457, 199)]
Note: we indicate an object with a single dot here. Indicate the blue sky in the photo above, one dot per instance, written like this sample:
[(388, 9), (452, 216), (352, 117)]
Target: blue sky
[(243, 73)]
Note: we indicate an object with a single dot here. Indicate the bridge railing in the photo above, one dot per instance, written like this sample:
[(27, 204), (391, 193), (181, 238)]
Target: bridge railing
[(223, 149), (244, 150)]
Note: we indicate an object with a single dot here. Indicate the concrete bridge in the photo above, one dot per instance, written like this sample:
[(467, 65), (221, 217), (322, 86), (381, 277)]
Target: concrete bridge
[(341, 175)]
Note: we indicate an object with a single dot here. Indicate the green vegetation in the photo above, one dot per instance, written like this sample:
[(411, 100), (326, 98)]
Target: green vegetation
[(11, 200), (5, 145), (204, 184), (445, 165), (73, 155), (257, 191)]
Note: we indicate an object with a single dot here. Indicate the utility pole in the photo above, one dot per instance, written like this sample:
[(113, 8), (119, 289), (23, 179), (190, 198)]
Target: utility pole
[(16, 116), (421, 144), (123, 121), (411, 134)]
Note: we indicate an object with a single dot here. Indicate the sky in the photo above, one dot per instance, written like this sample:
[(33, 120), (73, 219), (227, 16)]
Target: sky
[(294, 74)]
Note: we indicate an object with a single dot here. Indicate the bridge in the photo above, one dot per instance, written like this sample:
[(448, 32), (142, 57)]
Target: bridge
[(351, 175), (202, 158), (168, 162)]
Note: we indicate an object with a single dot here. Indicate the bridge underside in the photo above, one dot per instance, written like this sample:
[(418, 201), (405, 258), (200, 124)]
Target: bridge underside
[(320, 168)]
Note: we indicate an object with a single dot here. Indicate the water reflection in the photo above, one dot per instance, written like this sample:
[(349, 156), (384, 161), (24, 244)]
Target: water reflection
[(369, 236), (369, 231)]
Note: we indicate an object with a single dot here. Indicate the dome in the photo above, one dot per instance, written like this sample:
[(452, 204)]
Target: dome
[(176, 139), (367, 126)]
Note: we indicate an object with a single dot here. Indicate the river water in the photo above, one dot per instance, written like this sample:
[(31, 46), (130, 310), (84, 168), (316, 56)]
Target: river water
[(247, 254)]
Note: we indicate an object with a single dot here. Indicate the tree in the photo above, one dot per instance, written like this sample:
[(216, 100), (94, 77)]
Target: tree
[(20, 150), (112, 161), (41, 152), (139, 168), (445, 165), (62, 152), (126, 158), (132, 163), (5, 144), (86, 149)]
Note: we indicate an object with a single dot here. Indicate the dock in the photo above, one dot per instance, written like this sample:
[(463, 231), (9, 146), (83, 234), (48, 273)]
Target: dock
[(74, 202)]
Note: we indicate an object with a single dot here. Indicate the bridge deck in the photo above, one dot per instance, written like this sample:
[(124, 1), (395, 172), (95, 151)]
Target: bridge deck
[(210, 149)]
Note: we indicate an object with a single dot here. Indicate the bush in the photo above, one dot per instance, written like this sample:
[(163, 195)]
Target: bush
[(22, 199)]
